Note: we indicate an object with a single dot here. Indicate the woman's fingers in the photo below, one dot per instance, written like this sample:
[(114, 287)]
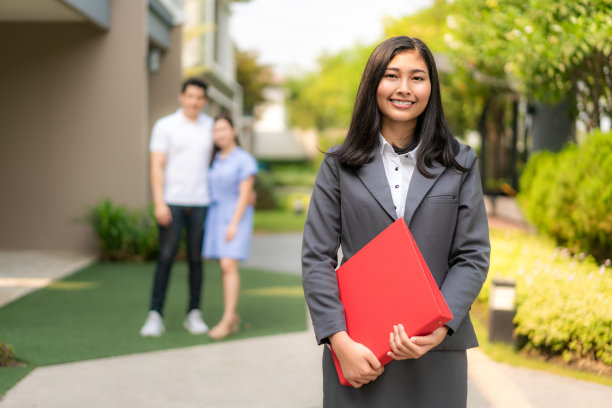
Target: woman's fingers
[(359, 365), (398, 350), (375, 364), (402, 346)]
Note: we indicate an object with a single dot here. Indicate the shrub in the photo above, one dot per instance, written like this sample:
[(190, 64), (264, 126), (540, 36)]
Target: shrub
[(124, 234), (294, 175), (264, 187), (7, 356), (568, 195), (145, 233), (564, 305)]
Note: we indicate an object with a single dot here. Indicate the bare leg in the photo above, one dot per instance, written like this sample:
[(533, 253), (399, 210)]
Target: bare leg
[(231, 290)]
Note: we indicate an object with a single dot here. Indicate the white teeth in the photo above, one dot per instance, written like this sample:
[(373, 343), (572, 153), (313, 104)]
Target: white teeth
[(403, 103)]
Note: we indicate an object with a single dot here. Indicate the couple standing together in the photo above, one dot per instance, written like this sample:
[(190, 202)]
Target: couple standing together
[(203, 181)]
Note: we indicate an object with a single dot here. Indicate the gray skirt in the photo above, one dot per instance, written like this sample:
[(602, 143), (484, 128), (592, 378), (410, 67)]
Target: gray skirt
[(438, 379)]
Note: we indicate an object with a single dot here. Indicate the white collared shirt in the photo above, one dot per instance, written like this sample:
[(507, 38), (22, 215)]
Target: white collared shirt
[(188, 146), (399, 169)]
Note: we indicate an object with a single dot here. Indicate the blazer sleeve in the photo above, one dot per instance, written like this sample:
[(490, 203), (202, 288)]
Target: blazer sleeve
[(470, 248), (320, 244)]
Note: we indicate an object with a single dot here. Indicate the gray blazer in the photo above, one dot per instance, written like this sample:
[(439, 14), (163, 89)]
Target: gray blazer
[(445, 214)]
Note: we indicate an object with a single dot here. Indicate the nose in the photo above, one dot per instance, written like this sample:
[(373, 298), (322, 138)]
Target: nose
[(404, 86)]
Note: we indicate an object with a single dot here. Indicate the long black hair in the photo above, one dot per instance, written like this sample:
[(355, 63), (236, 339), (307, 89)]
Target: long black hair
[(436, 141)]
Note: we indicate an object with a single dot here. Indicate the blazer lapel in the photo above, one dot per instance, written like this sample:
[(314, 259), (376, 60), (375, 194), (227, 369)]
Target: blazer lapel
[(418, 188), (372, 175)]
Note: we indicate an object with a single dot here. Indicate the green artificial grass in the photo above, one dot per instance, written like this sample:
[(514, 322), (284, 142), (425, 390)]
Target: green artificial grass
[(99, 311)]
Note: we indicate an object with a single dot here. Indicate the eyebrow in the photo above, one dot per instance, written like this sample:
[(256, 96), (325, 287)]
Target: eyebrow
[(412, 71)]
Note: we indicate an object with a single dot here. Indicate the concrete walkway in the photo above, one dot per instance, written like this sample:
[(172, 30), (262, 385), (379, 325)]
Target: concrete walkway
[(274, 371), (21, 272)]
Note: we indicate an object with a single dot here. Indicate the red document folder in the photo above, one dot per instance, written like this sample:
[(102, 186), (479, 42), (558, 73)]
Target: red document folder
[(385, 283)]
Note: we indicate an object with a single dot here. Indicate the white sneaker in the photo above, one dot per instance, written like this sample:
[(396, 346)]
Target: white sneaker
[(194, 323), (154, 326)]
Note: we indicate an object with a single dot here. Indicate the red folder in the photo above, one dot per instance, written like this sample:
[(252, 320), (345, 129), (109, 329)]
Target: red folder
[(385, 283)]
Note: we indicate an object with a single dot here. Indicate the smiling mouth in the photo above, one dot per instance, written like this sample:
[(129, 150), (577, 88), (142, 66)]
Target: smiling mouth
[(401, 103)]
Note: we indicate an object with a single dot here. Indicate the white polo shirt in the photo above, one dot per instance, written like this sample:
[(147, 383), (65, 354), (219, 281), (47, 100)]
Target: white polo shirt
[(398, 169), (188, 146)]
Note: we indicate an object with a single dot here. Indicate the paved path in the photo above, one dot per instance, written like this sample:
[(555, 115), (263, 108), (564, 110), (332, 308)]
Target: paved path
[(273, 371), (24, 271)]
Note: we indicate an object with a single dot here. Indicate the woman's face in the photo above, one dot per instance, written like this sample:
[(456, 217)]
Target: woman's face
[(403, 92), (224, 134)]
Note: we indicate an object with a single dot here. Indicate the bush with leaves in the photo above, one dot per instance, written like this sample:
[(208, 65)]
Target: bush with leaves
[(124, 234), (564, 305), (568, 195), (7, 356)]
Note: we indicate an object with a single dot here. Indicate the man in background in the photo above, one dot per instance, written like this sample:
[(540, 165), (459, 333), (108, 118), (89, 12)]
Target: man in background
[(180, 152)]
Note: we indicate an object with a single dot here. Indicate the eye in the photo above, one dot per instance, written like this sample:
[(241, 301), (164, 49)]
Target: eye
[(390, 75), (418, 78)]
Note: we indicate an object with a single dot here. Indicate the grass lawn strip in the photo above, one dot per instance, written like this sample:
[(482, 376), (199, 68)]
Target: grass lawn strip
[(98, 311)]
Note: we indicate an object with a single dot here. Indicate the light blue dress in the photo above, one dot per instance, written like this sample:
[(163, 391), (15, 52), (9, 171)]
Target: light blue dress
[(224, 178)]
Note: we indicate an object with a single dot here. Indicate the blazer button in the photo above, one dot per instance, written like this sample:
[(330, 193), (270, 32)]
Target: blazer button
[(396, 186), (397, 168)]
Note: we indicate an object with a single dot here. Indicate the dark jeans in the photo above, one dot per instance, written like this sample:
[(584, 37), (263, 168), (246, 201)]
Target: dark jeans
[(169, 238)]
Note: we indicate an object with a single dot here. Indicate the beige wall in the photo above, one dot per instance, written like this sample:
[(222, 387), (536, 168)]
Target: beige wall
[(74, 124), (165, 85), (164, 88)]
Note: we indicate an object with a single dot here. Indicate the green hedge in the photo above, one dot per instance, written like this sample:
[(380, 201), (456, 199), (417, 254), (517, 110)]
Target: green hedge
[(564, 302), (124, 234), (568, 195), (264, 187)]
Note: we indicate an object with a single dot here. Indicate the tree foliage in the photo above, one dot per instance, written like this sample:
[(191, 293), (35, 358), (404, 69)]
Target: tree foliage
[(253, 77), (324, 98), (544, 50), (548, 49), (428, 25)]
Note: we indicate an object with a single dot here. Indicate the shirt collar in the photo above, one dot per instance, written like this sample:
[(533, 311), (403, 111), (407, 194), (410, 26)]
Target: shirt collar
[(385, 146), (179, 112)]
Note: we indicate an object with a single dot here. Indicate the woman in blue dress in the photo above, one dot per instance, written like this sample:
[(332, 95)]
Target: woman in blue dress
[(229, 223)]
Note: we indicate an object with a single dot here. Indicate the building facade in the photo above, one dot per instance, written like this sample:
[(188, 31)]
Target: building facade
[(82, 83), (208, 52)]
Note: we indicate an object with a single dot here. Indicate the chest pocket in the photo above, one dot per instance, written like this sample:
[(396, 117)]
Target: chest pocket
[(441, 199)]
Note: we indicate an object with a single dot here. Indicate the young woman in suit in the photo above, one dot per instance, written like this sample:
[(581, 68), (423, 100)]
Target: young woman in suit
[(399, 159)]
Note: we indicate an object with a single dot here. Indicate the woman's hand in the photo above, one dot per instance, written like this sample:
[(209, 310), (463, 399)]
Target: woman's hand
[(359, 365), (230, 232), (403, 347)]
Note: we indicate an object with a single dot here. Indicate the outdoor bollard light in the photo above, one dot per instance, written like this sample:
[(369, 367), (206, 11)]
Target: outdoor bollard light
[(502, 310), (298, 206)]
